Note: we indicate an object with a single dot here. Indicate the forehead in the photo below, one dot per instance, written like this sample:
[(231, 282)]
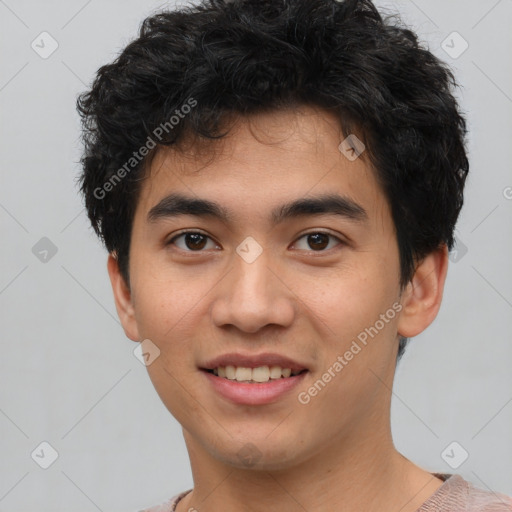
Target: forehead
[(265, 158)]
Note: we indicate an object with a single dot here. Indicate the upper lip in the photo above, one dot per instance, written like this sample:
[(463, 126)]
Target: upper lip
[(253, 361)]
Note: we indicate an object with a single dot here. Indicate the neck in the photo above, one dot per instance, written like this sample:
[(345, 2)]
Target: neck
[(357, 472)]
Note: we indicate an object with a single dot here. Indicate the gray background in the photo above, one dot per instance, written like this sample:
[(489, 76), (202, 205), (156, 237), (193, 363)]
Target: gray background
[(69, 376)]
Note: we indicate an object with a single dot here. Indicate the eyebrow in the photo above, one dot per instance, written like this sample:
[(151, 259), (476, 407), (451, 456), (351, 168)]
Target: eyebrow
[(175, 205)]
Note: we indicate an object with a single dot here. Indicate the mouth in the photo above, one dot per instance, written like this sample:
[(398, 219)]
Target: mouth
[(258, 375), (253, 379), (248, 387)]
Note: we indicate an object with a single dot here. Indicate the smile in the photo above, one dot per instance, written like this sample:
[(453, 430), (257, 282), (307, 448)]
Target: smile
[(260, 374), (252, 392)]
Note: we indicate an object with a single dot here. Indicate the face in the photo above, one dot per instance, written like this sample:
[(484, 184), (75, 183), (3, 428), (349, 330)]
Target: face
[(294, 256)]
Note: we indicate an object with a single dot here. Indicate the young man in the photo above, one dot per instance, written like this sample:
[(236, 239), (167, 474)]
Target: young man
[(277, 183)]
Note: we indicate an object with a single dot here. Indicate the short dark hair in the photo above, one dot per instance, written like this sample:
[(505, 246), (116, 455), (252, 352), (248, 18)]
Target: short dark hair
[(247, 56)]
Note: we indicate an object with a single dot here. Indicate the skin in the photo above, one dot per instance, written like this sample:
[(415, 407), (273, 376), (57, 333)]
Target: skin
[(336, 452)]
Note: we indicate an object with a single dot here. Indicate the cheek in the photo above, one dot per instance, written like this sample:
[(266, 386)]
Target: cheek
[(350, 299), (166, 298), (166, 313), (357, 346)]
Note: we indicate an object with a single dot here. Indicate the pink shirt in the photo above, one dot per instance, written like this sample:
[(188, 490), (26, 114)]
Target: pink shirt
[(455, 495)]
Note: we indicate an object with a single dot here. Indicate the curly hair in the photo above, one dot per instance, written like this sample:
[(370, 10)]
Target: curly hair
[(247, 56)]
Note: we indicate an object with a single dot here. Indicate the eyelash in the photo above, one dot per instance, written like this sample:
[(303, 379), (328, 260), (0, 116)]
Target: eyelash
[(182, 233)]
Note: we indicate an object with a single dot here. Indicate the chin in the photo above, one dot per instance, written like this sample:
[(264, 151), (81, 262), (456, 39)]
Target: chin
[(261, 454)]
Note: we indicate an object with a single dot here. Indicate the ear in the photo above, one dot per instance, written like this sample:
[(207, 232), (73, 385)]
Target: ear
[(123, 299), (422, 296)]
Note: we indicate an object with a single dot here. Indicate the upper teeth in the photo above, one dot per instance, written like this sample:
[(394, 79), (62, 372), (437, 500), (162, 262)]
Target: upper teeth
[(260, 374)]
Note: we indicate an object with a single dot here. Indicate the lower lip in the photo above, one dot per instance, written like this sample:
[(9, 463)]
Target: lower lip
[(253, 394)]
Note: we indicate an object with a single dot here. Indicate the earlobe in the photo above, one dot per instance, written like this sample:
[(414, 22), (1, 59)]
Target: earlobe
[(422, 297), (123, 299)]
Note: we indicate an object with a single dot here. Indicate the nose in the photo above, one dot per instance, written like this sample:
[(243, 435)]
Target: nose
[(252, 296)]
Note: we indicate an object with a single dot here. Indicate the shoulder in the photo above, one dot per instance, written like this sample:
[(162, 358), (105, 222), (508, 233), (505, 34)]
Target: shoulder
[(487, 500), (458, 494), (167, 506)]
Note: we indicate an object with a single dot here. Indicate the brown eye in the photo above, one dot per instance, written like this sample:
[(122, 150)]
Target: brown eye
[(195, 241), (192, 241), (317, 241)]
